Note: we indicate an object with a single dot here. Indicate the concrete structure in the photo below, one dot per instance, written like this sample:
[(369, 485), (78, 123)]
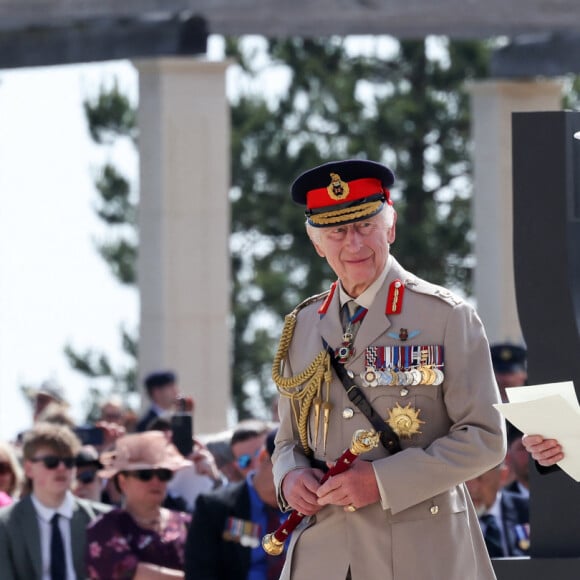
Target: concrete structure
[(493, 102), (183, 265), (411, 19)]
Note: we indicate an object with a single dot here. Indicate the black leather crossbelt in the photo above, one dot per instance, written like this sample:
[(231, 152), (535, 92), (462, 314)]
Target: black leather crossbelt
[(389, 439)]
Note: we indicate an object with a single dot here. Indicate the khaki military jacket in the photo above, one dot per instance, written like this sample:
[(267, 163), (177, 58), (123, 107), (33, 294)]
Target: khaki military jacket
[(425, 526)]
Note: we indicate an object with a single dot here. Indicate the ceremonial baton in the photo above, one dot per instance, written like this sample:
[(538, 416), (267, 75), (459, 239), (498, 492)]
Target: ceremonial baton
[(362, 441)]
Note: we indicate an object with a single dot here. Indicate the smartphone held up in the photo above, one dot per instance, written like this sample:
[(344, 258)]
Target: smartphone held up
[(182, 426)]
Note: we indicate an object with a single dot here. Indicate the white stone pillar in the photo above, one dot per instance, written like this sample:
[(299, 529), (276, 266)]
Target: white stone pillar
[(493, 102), (183, 266)]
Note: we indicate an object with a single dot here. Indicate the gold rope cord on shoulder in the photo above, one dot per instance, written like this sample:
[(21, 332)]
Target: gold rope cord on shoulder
[(312, 377)]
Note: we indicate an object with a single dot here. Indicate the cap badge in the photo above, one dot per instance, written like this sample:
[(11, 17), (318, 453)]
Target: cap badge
[(337, 189)]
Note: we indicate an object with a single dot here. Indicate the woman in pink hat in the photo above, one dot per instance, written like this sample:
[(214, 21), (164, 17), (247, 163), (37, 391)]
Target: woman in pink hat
[(141, 540)]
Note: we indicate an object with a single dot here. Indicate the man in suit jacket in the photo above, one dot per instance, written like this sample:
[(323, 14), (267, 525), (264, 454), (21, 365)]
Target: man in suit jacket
[(504, 516), (224, 540), (26, 532), (162, 390), (420, 356)]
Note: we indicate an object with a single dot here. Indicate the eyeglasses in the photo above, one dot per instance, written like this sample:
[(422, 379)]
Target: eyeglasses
[(86, 476), (53, 461), (244, 460), (5, 467), (147, 474)]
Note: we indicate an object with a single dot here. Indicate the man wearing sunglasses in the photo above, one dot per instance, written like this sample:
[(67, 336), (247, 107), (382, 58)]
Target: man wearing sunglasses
[(224, 539), (42, 537), (246, 443), (87, 483)]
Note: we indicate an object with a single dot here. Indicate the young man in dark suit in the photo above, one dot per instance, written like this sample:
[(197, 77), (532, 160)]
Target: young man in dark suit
[(43, 535)]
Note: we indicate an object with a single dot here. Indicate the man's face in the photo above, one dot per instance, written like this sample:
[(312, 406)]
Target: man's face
[(483, 489), (87, 484), (516, 378), (357, 252), (48, 482), (246, 453), (165, 396)]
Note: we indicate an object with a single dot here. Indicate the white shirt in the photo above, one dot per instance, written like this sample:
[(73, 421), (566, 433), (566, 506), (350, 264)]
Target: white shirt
[(44, 515), (188, 484)]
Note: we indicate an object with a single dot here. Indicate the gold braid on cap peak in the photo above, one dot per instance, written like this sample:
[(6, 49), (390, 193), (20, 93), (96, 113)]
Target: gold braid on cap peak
[(351, 213), (312, 377)]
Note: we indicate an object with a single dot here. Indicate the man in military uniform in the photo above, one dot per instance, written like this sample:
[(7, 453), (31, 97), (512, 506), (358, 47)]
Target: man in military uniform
[(418, 355), (509, 365)]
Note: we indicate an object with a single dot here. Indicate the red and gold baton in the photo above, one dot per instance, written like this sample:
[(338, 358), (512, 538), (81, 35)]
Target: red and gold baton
[(362, 441)]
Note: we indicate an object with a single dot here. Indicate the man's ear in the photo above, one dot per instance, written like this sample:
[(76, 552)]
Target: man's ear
[(316, 245), (318, 249), (392, 232)]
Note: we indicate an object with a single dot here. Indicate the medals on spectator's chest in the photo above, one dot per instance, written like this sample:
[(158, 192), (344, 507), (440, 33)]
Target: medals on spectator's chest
[(244, 532)]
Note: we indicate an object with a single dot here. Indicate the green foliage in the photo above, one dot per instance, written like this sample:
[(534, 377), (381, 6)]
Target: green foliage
[(110, 115), (405, 109)]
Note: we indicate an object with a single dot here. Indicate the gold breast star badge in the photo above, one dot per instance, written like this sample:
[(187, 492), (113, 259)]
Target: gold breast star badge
[(404, 421)]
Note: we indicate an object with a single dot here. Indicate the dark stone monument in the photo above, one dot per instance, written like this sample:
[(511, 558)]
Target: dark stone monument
[(546, 181)]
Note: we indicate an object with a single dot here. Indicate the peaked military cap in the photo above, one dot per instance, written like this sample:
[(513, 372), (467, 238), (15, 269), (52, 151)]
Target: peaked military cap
[(341, 192), (508, 358)]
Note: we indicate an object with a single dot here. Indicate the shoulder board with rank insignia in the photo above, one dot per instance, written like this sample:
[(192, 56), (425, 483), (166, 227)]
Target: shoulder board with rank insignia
[(316, 298), (424, 287)]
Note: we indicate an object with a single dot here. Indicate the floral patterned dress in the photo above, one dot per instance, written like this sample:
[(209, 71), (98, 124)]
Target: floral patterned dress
[(116, 544)]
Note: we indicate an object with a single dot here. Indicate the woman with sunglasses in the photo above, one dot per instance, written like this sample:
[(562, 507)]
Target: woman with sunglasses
[(140, 540)]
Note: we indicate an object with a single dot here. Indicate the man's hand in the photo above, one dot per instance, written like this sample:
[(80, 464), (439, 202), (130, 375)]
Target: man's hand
[(299, 489), (357, 486), (111, 432), (204, 461), (546, 452)]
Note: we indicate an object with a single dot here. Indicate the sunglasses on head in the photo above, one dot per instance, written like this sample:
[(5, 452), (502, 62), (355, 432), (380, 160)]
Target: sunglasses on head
[(5, 468), (147, 474), (86, 476), (53, 461), (244, 460)]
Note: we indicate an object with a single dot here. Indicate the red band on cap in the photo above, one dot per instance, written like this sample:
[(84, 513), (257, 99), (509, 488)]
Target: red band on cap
[(358, 189)]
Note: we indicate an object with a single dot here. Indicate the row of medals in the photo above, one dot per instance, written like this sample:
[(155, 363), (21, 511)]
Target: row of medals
[(421, 375)]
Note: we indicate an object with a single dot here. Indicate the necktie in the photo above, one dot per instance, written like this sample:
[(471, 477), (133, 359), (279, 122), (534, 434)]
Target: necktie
[(274, 563), (492, 536), (57, 558)]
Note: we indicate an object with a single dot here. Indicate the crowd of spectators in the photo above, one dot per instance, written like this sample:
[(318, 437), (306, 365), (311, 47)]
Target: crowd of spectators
[(130, 505), (116, 498)]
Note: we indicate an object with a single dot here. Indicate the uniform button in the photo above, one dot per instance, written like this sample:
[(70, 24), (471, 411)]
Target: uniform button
[(434, 509), (404, 392), (347, 413)]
